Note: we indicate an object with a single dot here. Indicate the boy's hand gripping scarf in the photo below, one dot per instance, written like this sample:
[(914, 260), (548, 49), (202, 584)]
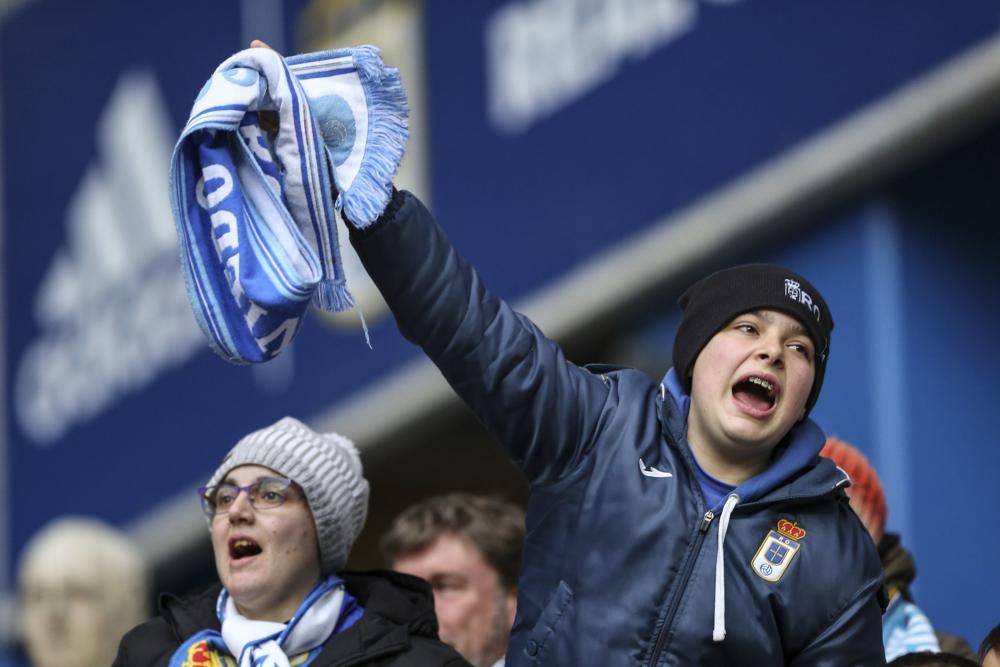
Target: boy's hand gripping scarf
[(255, 214)]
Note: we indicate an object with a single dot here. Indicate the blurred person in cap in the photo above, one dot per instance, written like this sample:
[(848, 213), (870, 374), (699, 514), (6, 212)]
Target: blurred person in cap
[(284, 508), (905, 627), (82, 585), (469, 548)]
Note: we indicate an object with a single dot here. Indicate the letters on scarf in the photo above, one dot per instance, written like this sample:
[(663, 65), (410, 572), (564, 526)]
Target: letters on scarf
[(255, 213)]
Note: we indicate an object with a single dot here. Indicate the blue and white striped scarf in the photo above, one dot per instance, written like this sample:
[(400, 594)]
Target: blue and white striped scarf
[(255, 215), (327, 610)]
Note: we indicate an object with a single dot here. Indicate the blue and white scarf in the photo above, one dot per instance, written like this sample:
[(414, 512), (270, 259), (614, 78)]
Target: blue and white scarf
[(327, 610), (255, 216)]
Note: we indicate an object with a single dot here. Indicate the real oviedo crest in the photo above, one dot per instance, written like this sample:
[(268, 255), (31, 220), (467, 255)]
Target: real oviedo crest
[(778, 550)]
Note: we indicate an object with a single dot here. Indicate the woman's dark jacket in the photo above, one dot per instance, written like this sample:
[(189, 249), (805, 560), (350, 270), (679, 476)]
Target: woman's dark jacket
[(398, 628)]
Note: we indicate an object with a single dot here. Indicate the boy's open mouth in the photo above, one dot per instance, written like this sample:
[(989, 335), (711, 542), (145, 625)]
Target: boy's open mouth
[(243, 547), (757, 392)]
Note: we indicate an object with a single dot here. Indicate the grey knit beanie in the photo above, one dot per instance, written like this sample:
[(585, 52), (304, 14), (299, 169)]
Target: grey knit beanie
[(327, 467)]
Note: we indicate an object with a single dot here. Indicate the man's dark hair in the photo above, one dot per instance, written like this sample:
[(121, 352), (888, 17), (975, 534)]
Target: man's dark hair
[(992, 640), (928, 659), (494, 525)]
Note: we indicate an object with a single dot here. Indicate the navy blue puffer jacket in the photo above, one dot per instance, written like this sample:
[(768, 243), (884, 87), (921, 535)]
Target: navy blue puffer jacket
[(622, 561)]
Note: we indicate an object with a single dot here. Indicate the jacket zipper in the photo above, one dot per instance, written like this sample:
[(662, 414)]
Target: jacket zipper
[(689, 566), (679, 590)]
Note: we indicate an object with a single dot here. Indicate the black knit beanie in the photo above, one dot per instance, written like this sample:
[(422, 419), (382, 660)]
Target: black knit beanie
[(712, 302)]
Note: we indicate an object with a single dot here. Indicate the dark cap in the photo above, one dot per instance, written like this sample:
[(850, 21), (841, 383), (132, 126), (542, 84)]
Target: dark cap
[(712, 302)]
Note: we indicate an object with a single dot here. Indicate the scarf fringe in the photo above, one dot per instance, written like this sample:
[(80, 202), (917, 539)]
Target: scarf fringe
[(333, 295), (256, 220), (388, 132)]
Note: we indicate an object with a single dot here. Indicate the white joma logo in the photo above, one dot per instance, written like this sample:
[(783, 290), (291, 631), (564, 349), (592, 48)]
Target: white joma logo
[(650, 471)]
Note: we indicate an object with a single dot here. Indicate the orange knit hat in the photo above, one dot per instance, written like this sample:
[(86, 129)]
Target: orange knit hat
[(865, 492)]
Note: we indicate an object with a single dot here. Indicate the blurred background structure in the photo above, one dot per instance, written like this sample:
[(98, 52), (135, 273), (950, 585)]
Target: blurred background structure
[(591, 159)]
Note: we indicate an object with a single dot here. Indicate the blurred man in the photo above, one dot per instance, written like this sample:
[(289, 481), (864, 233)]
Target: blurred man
[(469, 549), (82, 585)]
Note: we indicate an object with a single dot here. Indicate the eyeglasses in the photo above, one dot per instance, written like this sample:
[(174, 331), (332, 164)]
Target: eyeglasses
[(265, 493)]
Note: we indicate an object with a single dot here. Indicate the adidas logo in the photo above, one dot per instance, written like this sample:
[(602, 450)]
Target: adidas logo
[(111, 306)]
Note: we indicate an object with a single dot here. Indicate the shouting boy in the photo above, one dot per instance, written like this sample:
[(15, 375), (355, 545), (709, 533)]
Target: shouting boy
[(688, 522)]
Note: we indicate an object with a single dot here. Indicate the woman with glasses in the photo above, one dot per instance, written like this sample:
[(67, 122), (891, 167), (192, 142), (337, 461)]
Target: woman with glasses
[(284, 509)]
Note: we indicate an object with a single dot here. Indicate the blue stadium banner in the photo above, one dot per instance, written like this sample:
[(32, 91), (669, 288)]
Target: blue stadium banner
[(560, 127)]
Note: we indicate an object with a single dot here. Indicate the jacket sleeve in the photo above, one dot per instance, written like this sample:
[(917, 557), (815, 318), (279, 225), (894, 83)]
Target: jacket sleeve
[(854, 638), (543, 409)]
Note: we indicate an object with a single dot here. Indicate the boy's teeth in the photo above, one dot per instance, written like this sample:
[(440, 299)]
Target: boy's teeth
[(762, 382)]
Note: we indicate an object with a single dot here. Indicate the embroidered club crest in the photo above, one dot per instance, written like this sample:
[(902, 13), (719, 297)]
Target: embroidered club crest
[(777, 550)]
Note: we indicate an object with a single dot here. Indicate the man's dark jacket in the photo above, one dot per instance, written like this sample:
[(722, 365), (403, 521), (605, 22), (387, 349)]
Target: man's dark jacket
[(620, 558), (398, 628)]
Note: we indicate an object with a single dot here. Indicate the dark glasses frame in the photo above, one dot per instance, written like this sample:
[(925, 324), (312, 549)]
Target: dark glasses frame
[(282, 486)]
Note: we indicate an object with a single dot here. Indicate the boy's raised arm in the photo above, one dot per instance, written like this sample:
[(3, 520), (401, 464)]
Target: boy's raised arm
[(542, 408)]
